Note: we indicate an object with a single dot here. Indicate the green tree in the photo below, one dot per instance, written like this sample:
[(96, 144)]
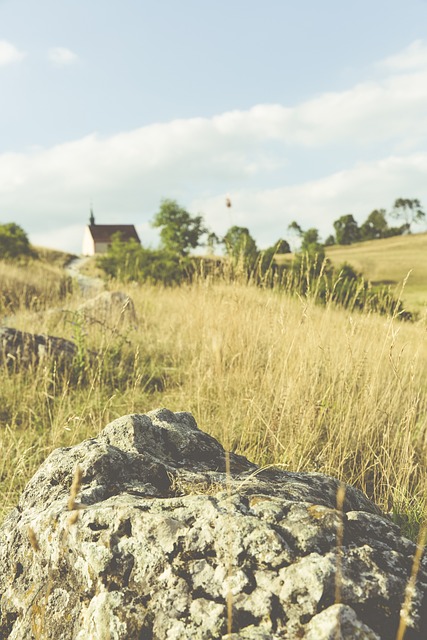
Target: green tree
[(281, 247), (13, 241), (310, 238), (295, 227), (311, 245), (267, 257), (346, 230), (129, 261), (409, 210), (239, 244), (179, 231), (330, 241), (212, 241), (375, 225)]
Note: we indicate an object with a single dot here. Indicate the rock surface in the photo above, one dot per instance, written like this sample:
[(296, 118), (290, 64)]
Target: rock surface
[(110, 307), (22, 348), (152, 540)]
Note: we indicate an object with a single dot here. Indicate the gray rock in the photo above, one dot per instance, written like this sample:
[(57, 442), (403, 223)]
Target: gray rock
[(21, 348), (338, 622), (109, 307), (155, 541)]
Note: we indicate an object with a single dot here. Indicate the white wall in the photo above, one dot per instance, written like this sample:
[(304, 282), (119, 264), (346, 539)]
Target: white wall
[(88, 247)]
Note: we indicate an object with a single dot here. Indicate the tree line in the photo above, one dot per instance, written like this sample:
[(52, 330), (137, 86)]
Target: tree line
[(181, 232), (307, 273), (347, 231), (376, 225)]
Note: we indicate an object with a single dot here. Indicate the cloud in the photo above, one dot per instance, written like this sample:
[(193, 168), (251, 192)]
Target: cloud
[(412, 57), (67, 238), (359, 190), (9, 53), (340, 152), (61, 57)]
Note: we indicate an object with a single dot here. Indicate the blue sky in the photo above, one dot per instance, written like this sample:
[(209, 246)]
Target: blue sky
[(298, 110)]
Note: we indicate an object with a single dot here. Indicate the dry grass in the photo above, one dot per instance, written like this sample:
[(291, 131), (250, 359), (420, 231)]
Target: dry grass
[(275, 378), (285, 381), (32, 286), (388, 261)]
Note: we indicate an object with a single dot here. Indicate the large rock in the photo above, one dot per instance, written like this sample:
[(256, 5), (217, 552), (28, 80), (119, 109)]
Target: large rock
[(109, 307), (21, 348), (152, 539)]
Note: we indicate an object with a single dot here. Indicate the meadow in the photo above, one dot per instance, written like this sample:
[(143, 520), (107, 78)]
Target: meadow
[(389, 261), (273, 376)]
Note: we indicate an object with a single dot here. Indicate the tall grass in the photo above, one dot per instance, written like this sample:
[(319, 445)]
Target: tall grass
[(33, 286), (274, 377)]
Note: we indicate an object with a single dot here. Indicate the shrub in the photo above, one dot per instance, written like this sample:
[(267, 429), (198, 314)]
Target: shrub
[(129, 261), (14, 242)]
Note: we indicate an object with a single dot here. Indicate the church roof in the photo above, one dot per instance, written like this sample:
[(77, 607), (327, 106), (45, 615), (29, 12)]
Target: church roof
[(104, 232)]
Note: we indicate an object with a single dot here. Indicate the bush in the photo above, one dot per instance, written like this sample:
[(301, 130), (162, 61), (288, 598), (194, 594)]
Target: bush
[(129, 261), (14, 242), (343, 287)]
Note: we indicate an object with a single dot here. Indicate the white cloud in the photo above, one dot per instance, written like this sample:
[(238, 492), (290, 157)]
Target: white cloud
[(273, 160), (9, 53), (61, 57), (67, 238), (359, 190), (413, 57)]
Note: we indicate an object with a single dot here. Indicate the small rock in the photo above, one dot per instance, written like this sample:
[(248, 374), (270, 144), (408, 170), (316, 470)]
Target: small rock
[(109, 307), (19, 348), (338, 622)]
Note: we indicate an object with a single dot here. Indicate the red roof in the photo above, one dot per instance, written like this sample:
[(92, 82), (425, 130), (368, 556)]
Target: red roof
[(104, 232)]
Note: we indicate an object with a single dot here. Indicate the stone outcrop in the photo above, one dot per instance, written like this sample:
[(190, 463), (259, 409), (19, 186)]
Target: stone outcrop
[(109, 307), (141, 534), (21, 348)]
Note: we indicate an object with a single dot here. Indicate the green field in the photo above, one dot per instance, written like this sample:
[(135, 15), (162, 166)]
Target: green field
[(389, 261)]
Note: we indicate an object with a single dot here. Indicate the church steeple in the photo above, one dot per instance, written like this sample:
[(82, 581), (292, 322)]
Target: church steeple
[(92, 217)]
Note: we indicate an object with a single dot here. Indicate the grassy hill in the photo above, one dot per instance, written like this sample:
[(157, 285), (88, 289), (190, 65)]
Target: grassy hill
[(388, 261), (274, 377), (34, 283), (52, 256)]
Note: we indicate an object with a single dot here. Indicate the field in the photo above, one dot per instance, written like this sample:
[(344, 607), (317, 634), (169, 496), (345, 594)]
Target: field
[(389, 261), (276, 378)]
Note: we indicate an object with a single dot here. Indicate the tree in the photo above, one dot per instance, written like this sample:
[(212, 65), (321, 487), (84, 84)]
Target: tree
[(281, 247), (410, 210), (311, 245), (375, 225), (346, 230), (294, 226), (310, 242), (212, 241), (310, 238), (330, 241), (129, 261), (239, 244), (179, 231), (13, 241), (267, 257)]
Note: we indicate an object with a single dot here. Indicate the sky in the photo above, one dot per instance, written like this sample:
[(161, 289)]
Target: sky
[(301, 111)]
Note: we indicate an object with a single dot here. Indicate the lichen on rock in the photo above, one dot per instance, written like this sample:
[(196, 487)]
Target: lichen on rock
[(161, 544)]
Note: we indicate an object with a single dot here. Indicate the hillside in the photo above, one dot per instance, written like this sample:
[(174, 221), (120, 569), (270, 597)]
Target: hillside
[(388, 261), (52, 256)]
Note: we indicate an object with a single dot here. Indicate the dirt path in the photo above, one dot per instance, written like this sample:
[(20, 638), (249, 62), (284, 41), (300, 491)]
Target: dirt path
[(89, 286)]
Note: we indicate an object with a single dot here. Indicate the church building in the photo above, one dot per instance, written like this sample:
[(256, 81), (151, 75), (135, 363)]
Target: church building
[(97, 237)]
